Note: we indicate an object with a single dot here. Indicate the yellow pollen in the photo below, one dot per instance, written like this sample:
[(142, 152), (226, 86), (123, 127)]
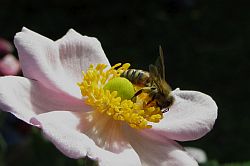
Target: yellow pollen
[(137, 114)]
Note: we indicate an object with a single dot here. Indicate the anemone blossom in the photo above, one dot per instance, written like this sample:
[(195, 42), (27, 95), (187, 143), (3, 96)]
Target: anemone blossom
[(9, 65), (68, 91)]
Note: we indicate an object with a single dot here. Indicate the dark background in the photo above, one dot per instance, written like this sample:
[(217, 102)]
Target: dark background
[(206, 45)]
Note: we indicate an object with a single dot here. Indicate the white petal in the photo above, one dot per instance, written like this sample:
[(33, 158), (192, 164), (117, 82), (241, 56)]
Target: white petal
[(63, 129), (198, 154), (26, 98), (160, 153), (77, 52), (191, 117), (58, 64)]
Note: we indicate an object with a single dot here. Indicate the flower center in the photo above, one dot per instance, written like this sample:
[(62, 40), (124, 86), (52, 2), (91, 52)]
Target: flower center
[(124, 87), (111, 94)]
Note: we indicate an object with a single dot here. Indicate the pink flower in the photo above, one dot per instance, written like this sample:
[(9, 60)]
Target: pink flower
[(49, 98), (9, 65)]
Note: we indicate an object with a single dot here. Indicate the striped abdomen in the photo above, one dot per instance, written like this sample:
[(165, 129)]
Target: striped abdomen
[(137, 77)]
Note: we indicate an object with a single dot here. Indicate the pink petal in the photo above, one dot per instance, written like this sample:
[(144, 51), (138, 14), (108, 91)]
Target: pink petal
[(160, 153), (57, 65), (62, 128), (26, 98), (191, 117), (9, 65)]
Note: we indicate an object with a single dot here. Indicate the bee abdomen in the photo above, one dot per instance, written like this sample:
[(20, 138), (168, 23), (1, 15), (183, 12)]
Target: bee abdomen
[(137, 77)]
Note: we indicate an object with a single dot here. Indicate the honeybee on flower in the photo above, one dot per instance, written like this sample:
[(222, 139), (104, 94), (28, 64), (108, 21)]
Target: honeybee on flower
[(153, 83), (84, 107)]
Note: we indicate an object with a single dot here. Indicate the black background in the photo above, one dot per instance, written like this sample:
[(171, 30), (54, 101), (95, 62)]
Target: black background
[(206, 44)]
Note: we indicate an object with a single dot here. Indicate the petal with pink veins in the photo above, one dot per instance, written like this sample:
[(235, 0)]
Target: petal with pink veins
[(104, 131), (62, 128), (191, 116), (26, 98), (57, 64)]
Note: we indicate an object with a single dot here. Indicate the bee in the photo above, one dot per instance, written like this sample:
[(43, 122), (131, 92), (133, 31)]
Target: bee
[(153, 83)]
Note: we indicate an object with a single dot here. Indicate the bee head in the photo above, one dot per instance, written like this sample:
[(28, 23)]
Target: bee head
[(165, 101)]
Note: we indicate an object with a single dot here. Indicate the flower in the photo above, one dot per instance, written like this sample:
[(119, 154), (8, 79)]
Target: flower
[(9, 65), (81, 119)]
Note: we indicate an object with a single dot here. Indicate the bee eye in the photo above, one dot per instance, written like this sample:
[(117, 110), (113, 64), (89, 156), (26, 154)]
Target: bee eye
[(167, 103)]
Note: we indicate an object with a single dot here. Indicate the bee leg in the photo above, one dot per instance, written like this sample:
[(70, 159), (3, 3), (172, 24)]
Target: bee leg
[(150, 101), (146, 89), (136, 94)]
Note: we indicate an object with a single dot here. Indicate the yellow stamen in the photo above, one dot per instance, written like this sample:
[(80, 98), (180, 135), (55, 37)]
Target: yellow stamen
[(106, 100)]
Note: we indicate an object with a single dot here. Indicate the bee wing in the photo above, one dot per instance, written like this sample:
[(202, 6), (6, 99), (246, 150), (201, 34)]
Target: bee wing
[(159, 63), (161, 68), (153, 71), (154, 74), (157, 71), (161, 84)]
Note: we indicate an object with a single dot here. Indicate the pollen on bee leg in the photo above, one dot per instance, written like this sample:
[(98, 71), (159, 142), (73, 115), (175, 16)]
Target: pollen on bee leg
[(110, 94)]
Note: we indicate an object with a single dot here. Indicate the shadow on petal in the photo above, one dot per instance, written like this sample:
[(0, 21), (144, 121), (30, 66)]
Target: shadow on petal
[(104, 131)]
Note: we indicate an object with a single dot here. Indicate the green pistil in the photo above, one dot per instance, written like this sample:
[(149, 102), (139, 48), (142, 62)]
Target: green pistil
[(124, 87)]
